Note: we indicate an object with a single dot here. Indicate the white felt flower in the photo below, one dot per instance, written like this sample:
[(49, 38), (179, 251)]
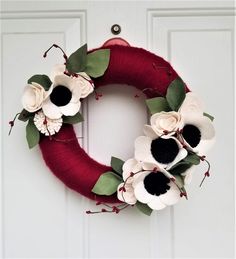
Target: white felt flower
[(192, 104), (64, 99), (83, 80), (165, 152), (155, 189), (198, 133), (33, 97), (163, 122), (46, 125)]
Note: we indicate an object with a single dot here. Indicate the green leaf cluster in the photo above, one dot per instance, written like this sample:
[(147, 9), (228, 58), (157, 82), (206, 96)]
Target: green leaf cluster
[(108, 182), (174, 98), (73, 119), (94, 63)]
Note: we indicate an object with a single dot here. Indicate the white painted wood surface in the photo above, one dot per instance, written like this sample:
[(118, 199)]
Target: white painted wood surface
[(42, 218)]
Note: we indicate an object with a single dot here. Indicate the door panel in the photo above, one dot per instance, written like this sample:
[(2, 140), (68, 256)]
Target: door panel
[(41, 217)]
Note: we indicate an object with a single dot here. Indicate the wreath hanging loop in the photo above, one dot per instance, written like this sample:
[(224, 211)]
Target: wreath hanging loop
[(174, 143)]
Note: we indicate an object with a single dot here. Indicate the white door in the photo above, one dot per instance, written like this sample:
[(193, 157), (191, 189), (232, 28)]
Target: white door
[(40, 216)]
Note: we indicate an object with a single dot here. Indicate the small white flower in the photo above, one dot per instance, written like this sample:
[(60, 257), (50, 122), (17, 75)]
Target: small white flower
[(192, 104), (64, 99), (83, 80), (125, 193), (165, 152), (155, 189), (198, 133), (46, 125), (33, 97), (166, 121)]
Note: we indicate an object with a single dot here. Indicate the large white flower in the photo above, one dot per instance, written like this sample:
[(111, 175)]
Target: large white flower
[(33, 97), (132, 169), (166, 122), (83, 80), (155, 189), (64, 99), (45, 125), (165, 152)]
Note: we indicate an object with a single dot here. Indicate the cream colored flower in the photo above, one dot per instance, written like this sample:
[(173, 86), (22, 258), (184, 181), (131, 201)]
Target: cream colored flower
[(46, 125), (162, 122), (33, 97)]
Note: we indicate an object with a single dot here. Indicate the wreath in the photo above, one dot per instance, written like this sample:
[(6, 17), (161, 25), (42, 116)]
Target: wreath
[(174, 143)]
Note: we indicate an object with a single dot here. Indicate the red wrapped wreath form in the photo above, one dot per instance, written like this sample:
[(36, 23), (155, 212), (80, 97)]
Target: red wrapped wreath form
[(130, 66)]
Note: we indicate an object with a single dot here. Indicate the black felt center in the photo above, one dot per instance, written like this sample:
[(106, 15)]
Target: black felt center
[(60, 95), (192, 135), (156, 183), (164, 150)]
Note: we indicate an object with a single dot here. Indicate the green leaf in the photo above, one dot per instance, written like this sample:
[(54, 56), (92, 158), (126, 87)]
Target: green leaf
[(192, 159), (97, 62), (175, 94), (73, 119), (209, 116), (117, 164), (25, 115), (180, 168), (77, 60), (179, 180), (107, 184), (157, 104), (32, 134), (144, 208), (43, 80)]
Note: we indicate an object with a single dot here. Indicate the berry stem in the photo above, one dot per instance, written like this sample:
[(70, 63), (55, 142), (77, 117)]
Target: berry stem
[(55, 46)]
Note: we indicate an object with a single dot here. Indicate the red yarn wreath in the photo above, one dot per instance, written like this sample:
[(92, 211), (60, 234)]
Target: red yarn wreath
[(128, 65)]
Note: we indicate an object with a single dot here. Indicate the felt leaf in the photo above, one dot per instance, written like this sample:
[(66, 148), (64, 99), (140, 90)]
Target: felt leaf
[(77, 60), (157, 104), (43, 80), (73, 119), (179, 180), (32, 134), (180, 168), (175, 94), (97, 62), (107, 184), (144, 208), (25, 115), (209, 116), (192, 159), (117, 164)]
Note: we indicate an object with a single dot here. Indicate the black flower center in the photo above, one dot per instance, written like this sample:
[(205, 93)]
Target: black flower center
[(164, 150), (156, 183), (60, 95), (192, 135)]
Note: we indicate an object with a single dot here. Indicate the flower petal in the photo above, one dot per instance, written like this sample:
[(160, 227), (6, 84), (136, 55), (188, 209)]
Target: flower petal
[(172, 196), (192, 105), (181, 155), (131, 165), (143, 149), (126, 196), (58, 69), (156, 204), (51, 110), (70, 109), (148, 131), (141, 193)]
